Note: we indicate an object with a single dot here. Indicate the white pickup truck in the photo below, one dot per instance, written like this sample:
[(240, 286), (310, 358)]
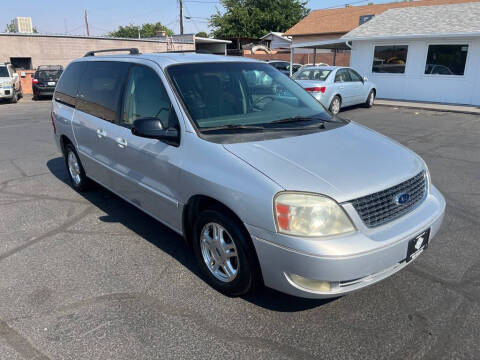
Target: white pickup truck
[(10, 85)]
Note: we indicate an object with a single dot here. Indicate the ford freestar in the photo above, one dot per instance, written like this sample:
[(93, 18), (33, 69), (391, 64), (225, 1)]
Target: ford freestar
[(264, 183)]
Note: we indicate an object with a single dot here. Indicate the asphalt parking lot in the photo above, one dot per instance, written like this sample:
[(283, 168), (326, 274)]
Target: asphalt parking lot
[(91, 277)]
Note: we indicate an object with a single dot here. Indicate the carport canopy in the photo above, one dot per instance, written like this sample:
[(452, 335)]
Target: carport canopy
[(334, 44)]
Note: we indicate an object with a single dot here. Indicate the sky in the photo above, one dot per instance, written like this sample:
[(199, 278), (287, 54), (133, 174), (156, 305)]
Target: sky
[(67, 16)]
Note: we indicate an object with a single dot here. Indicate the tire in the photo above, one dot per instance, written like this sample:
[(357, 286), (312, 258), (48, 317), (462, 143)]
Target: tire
[(20, 94), (76, 174), (14, 98), (247, 276), (335, 105), (370, 99)]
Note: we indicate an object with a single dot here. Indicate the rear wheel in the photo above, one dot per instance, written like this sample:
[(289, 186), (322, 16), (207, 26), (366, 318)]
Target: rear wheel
[(335, 105), (75, 171), (224, 252), (370, 99)]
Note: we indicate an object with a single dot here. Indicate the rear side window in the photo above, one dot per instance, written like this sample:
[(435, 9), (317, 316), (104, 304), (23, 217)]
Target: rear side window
[(66, 90), (100, 89)]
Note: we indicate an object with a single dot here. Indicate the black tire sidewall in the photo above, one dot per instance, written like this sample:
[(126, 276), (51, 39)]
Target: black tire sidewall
[(82, 186), (247, 276)]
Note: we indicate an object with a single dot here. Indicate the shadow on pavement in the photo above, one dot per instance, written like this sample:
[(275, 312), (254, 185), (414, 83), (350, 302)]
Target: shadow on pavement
[(167, 240)]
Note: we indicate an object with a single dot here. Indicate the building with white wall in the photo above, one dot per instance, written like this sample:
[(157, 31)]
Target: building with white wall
[(23, 24), (426, 53)]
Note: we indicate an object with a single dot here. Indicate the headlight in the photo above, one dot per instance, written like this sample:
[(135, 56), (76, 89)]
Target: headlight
[(303, 214)]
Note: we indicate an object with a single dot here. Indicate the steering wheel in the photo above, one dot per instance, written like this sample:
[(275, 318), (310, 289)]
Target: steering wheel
[(260, 99)]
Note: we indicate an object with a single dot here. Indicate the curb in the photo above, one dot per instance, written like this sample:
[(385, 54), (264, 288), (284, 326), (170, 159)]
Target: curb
[(430, 108)]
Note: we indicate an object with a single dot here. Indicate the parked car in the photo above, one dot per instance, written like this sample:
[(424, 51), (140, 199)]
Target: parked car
[(284, 66), (336, 87), (45, 79), (317, 64), (264, 184), (10, 85)]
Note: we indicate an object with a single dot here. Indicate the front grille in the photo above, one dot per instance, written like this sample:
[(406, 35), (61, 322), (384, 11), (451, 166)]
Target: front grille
[(379, 208)]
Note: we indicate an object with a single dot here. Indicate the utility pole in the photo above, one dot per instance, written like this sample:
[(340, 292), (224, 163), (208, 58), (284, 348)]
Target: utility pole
[(181, 16), (86, 23)]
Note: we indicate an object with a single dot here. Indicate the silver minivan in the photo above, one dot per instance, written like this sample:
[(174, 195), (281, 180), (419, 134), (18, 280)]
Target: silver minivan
[(264, 184)]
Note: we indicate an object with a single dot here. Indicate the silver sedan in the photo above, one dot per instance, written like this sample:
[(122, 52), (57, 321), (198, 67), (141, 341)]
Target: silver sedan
[(336, 87)]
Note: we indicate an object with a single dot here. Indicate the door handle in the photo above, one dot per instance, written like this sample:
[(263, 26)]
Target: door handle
[(101, 133), (121, 142)]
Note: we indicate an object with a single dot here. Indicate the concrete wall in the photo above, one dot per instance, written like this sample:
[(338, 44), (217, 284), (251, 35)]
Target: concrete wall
[(60, 50), (414, 84)]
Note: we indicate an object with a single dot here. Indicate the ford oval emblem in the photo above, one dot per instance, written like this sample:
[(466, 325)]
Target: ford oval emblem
[(402, 198)]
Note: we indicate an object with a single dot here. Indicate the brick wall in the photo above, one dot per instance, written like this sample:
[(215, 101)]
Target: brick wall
[(26, 80)]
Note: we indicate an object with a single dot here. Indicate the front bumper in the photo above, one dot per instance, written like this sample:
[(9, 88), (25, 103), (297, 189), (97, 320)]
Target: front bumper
[(350, 262), (6, 93)]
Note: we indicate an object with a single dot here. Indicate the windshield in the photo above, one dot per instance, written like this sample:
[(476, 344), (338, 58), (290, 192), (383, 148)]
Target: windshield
[(4, 71), (312, 74), (48, 74), (240, 93)]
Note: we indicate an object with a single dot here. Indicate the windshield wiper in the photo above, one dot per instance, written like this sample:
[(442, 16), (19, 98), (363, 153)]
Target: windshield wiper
[(233, 127), (321, 122)]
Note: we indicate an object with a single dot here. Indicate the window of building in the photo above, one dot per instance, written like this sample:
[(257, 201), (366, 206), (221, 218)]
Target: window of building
[(390, 59), (21, 63), (446, 59)]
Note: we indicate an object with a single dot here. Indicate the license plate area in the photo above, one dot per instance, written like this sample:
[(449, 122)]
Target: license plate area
[(417, 245), (51, 83)]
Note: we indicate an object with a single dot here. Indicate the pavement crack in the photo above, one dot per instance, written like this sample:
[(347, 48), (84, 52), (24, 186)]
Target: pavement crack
[(19, 343), (52, 232)]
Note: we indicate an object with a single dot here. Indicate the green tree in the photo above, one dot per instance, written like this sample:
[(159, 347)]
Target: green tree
[(146, 30), (202, 34), (255, 18)]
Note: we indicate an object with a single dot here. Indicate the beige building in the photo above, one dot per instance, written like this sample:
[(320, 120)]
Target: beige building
[(23, 25), (28, 51)]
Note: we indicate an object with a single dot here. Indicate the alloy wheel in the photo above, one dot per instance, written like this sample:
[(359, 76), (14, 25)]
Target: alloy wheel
[(219, 252), (74, 168)]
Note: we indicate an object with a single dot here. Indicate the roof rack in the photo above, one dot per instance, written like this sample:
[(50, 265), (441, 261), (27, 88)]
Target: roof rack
[(133, 51)]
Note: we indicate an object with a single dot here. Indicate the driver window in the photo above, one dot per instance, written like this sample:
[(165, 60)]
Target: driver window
[(145, 97), (354, 76)]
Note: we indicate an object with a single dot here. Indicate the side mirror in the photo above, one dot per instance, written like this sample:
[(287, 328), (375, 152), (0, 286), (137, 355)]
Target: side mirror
[(152, 128), (365, 79)]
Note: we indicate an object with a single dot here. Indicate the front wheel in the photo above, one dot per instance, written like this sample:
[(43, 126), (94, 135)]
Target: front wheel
[(335, 105), (224, 252), (370, 99)]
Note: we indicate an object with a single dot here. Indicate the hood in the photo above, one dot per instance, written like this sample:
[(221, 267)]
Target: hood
[(344, 163)]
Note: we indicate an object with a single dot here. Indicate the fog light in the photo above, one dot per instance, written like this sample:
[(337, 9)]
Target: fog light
[(311, 284)]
